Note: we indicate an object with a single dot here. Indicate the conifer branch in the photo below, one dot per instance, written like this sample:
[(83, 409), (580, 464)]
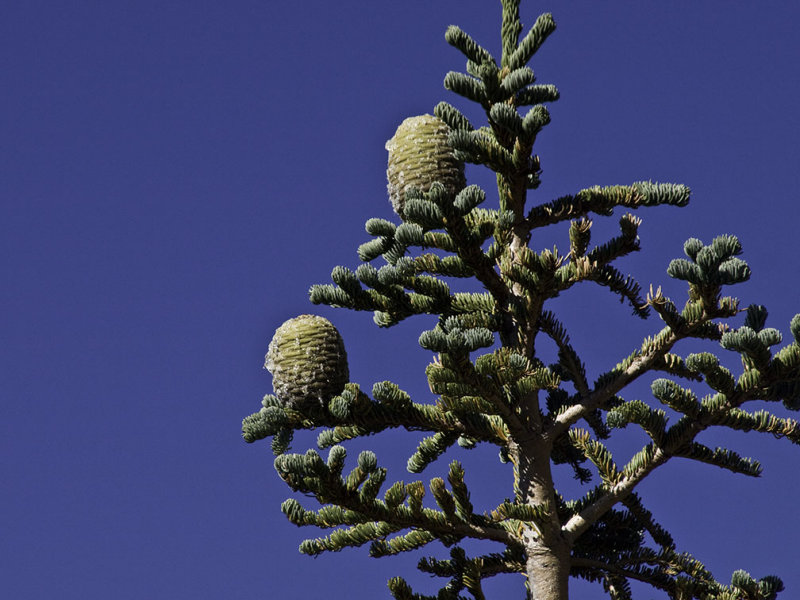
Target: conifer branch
[(602, 201), (536, 94), (663, 576), (676, 441), (625, 373), (579, 523), (457, 38), (371, 519), (568, 357), (508, 561), (540, 31), (721, 457), (510, 29), (353, 414), (660, 535)]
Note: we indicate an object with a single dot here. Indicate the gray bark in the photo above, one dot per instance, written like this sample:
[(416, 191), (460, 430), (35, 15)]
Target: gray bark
[(548, 572), (547, 549)]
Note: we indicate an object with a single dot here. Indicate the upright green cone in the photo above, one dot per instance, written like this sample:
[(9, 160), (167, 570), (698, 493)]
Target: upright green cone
[(307, 360), (419, 155)]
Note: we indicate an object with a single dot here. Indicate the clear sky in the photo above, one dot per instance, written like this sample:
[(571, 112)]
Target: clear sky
[(175, 174)]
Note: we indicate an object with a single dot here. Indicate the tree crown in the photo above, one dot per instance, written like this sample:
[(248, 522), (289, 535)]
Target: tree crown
[(492, 384)]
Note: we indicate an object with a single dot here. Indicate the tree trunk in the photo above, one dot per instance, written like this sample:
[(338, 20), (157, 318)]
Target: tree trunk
[(548, 572), (547, 552)]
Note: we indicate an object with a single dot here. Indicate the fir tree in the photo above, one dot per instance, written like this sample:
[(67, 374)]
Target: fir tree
[(489, 381)]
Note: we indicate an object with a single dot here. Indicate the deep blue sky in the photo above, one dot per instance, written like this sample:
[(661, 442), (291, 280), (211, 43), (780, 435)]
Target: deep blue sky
[(173, 177)]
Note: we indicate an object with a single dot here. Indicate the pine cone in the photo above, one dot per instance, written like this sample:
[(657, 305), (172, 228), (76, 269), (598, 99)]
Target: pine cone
[(307, 360), (420, 155)]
